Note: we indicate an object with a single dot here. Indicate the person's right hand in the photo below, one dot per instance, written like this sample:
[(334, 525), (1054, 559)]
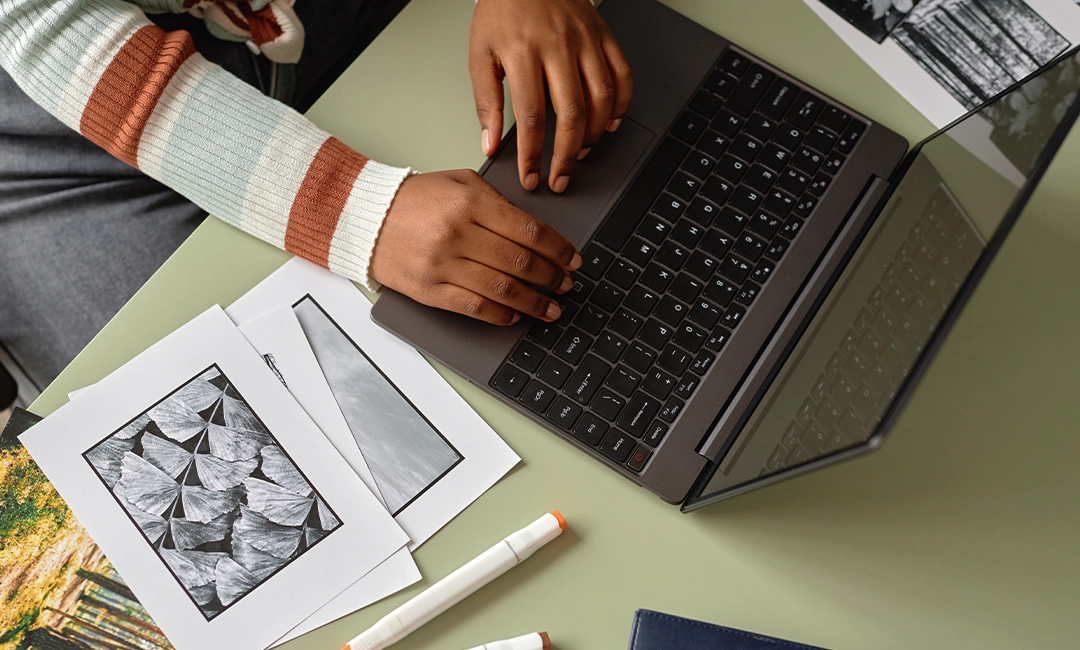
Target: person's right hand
[(450, 240)]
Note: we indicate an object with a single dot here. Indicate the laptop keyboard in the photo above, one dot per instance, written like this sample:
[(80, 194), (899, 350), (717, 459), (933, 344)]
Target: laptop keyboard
[(675, 268), (860, 381)]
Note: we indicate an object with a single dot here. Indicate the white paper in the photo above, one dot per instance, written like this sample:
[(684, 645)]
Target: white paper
[(343, 530), (913, 83), (430, 454)]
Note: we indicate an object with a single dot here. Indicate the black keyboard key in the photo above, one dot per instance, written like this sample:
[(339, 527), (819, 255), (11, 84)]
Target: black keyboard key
[(691, 336), (626, 323), (617, 446), (624, 380), (788, 137), (714, 143), (511, 380), (642, 300), (608, 405), (687, 385), (689, 127), (653, 229), (762, 271), (581, 289), (791, 228), (760, 127), (745, 148), (820, 184), (623, 274), (698, 164), (805, 206), (660, 384), (657, 278), (705, 313), (639, 357), (702, 213), (750, 246), (595, 261), (720, 83), (703, 362), (745, 200), (527, 356), (703, 266), (639, 414), (718, 243), (591, 429), (734, 269), (834, 119), (655, 434), (748, 293), (851, 136), (793, 181), (685, 287), (778, 98), (688, 233), (807, 160), (609, 346), (776, 249), (727, 123), (564, 413), (607, 296), (734, 63), (684, 185), (805, 110), (620, 225), (765, 224), (718, 339), (655, 333), (833, 164), (639, 251), (669, 207), (672, 255), (587, 379), (537, 397), (721, 291), (671, 311), (672, 409), (774, 157), (749, 91), (545, 334), (675, 359), (705, 103), (568, 310), (760, 178), (733, 316), (779, 203), (820, 139), (554, 372), (573, 345), (731, 169), (639, 458), (591, 319), (717, 190)]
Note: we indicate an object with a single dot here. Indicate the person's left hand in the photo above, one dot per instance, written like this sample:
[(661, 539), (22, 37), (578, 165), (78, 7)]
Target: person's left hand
[(564, 43)]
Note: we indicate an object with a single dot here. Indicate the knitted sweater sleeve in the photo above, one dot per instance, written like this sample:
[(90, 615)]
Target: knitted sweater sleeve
[(151, 100)]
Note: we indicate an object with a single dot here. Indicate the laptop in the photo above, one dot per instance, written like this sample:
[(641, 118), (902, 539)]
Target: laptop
[(767, 273)]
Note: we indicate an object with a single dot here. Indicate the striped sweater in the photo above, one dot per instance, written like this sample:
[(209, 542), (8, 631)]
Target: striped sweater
[(148, 98)]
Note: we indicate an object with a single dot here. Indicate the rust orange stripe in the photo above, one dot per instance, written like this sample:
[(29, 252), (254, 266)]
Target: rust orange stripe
[(314, 216), (130, 88)]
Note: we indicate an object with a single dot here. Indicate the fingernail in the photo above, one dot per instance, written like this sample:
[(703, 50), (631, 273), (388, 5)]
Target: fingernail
[(560, 184), (531, 181), (567, 284), (584, 152), (614, 125), (575, 263), (515, 318), (553, 311), (485, 140)]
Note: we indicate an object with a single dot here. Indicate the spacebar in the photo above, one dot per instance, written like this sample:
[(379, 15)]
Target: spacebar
[(620, 225)]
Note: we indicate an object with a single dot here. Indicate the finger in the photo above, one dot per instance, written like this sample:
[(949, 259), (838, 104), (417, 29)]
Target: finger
[(463, 301), (506, 291), (623, 78), (568, 98), (487, 85), (513, 259), (601, 91), (527, 93), (528, 231)]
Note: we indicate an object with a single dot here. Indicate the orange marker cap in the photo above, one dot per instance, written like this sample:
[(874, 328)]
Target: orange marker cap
[(558, 515)]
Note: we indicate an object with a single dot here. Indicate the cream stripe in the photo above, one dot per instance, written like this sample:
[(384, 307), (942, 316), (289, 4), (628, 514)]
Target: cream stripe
[(361, 219), (159, 127), (93, 64), (275, 182)]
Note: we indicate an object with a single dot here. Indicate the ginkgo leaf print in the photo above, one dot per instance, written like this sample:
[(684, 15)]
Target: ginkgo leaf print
[(265, 535), (259, 563), (177, 420), (166, 456), (187, 534), (153, 526), (235, 444), (276, 503), (192, 568), (327, 519), (277, 466), (203, 505), (108, 457), (238, 416), (233, 580), (199, 395), (135, 428), (146, 486), (218, 474)]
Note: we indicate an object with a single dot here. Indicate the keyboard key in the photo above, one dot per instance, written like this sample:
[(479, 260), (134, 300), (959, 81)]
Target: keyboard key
[(793, 181), (702, 266), (642, 193), (691, 336), (718, 243), (699, 165), (675, 359), (807, 160), (587, 379), (717, 190), (750, 90), (639, 414), (805, 110), (760, 178), (545, 334), (639, 251), (669, 207), (713, 143), (774, 157), (702, 213), (591, 319), (689, 127), (554, 372), (607, 404), (639, 357), (672, 255), (657, 277), (720, 83), (834, 119), (639, 458), (607, 296), (819, 139), (748, 293), (609, 346), (672, 409), (759, 127), (745, 200), (820, 184), (595, 261), (778, 98), (617, 446), (805, 206), (624, 380), (779, 203), (833, 163), (733, 316), (511, 380), (750, 246), (642, 300), (851, 136), (564, 413), (705, 313), (703, 362), (687, 233), (659, 383), (684, 185), (745, 148), (731, 169), (706, 103), (734, 269), (776, 249), (573, 345), (537, 397), (718, 339), (655, 333), (788, 137), (765, 224), (626, 323), (734, 63), (652, 229), (581, 289), (568, 310), (591, 429), (762, 271), (791, 228), (527, 356), (721, 291), (727, 123), (687, 385), (654, 435), (623, 274), (671, 311)]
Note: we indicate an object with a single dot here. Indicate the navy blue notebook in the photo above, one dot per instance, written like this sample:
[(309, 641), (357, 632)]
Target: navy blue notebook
[(656, 631)]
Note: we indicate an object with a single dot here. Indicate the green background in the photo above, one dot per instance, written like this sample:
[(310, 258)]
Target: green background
[(961, 532)]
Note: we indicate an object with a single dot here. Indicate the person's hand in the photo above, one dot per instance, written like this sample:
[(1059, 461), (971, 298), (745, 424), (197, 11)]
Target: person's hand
[(450, 240), (566, 44)]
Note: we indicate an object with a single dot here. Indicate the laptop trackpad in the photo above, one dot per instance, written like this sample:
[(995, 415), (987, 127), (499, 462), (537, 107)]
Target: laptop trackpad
[(593, 183)]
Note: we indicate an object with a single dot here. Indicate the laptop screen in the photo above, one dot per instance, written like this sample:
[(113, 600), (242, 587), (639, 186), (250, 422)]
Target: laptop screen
[(959, 193)]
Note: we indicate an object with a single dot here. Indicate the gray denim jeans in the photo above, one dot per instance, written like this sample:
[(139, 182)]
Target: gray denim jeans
[(80, 231)]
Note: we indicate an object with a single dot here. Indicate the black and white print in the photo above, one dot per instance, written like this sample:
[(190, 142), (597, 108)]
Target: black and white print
[(875, 18), (977, 48), (406, 454), (212, 491)]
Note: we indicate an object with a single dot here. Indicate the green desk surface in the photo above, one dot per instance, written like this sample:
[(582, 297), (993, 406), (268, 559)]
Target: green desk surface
[(961, 532)]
